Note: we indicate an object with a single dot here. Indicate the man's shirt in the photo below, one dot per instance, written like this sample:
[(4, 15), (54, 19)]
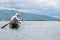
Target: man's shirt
[(14, 17)]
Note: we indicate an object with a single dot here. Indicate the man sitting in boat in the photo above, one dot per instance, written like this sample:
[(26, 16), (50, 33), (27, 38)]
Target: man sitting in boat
[(14, 21)]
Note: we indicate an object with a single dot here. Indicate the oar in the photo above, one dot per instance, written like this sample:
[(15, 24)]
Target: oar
[(5, 25)]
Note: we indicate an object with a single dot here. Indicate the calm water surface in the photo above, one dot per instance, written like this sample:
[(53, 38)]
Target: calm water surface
[(32, 30)]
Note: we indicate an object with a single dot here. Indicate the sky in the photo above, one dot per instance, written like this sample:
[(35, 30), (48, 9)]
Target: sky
[(40, 7)]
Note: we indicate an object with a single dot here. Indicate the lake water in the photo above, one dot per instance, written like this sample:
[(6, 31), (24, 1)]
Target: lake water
[(32, 30)]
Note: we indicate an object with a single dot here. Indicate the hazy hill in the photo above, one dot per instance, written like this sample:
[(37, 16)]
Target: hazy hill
[(7, 14)]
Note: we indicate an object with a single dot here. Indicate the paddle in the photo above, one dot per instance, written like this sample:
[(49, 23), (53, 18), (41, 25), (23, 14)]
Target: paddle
[(5, 25)]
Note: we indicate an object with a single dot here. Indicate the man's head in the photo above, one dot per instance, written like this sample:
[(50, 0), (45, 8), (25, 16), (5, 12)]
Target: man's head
[(17, 14)]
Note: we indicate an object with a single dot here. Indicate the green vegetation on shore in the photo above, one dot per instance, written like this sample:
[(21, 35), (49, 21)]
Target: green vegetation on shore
[(32, 20)]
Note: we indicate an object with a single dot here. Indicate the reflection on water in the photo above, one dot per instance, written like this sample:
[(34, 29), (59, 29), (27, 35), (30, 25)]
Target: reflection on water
[(32, 30)]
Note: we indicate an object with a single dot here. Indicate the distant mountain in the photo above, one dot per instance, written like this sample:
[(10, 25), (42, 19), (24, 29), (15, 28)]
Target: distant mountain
[(7, 14)]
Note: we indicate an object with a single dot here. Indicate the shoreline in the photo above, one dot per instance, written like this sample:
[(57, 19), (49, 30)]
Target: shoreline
[(37, 20)]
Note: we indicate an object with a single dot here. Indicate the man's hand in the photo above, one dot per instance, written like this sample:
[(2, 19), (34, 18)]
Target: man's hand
[(19, 22)]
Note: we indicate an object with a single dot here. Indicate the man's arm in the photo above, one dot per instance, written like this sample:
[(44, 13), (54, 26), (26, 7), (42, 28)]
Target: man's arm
[(20, 20)]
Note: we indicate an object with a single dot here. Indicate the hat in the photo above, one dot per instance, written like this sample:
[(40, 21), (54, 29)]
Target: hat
[(17, 14)]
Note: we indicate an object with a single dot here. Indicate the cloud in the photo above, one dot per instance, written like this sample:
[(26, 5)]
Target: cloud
[(33, 4), (20, 10), (45, 7), (3, 8), (46, 2), (29, 11), (5, 1)]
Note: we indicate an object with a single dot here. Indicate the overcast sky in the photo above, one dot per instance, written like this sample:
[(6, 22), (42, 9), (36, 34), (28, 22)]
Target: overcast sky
[(41, 7)]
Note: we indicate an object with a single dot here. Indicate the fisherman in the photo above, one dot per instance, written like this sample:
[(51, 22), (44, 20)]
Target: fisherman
[(14, 23)]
